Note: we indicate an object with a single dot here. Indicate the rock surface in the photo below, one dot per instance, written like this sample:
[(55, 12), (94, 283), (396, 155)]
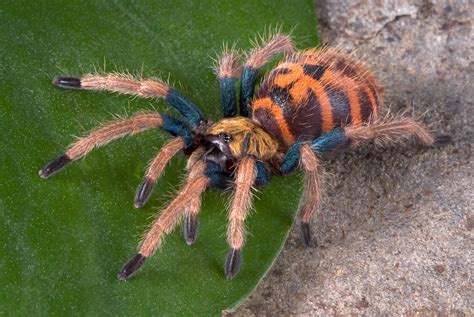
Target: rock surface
[(396, 230)]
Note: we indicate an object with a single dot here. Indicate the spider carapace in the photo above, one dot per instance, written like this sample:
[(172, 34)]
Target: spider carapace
[(314, 101)]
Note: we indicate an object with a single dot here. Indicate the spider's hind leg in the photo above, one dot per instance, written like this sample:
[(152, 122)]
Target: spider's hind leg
[(258, 57), (381, 131), (228, 71), (394, 130)]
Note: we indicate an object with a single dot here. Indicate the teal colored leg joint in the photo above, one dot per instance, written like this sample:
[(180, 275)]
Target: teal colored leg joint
[(228, 97), (263, 176), (324, 143), (177, 128), (188, 109), (249, 76)]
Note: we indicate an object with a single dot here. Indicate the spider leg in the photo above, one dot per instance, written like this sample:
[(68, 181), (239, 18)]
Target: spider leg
[(228, 71), (263, 175), (324, 143), (127, 84), (246, 173), (303, 155), (380, 131), (385, 131), (113, 131), (309, 203), (195, 185), (258, 57), (394, 130)]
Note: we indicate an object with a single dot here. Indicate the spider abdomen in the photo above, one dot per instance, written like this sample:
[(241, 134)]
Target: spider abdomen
[(314, 92)]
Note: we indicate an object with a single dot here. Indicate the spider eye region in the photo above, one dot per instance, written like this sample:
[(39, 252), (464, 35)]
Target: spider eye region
[(226, 138), (239, 136)]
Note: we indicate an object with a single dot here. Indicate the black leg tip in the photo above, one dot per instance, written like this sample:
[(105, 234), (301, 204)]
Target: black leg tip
[(232, 263), (67, 82), (54, 166), (190, 230), (131, 267), (306, 234), (441, 140), (144, 191)]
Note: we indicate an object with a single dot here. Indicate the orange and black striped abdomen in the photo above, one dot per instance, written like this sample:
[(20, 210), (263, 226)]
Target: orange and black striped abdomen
[(315, 92)]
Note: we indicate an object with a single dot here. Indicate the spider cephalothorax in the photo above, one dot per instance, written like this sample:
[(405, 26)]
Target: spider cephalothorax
[(239, 137), (313, 102)]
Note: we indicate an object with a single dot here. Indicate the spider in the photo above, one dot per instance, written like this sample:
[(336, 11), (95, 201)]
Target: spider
[(312, 102)]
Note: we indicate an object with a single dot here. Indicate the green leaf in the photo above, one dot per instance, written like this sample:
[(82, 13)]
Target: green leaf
[(63, 240)]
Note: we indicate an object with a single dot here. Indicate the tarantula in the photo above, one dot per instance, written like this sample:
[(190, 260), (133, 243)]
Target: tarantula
[(312, 102)]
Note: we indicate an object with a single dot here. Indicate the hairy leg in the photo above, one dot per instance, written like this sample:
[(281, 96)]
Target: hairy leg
[(257, 58), (228, 71), (310, 200), (387, 131), (102, 136), (246, 173), (393, 130), (384, 132), (127, 84), (167, 220)]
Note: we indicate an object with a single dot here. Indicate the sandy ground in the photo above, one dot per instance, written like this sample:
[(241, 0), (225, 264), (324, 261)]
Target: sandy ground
[(396, 230)]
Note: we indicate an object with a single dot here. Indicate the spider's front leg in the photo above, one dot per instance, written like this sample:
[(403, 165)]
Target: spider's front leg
[(201, 175), (246, 174), (116, 130), (145, 88), (195, 185)]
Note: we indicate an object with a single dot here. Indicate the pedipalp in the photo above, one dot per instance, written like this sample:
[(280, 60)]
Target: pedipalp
[(155, 169)]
